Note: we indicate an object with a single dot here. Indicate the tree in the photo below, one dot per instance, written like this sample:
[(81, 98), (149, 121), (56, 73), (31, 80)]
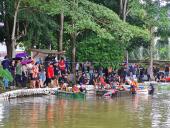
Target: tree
[(13, 37), (82, 16), (153, 16), (61, 31), (12, 30)]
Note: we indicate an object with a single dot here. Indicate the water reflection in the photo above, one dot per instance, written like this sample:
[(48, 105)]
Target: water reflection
[(1, 113), (161, 111), (52, 112)]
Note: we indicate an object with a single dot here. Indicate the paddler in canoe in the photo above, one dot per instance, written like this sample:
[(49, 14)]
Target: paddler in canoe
[(120, 87), (75, 89), (134, 86)]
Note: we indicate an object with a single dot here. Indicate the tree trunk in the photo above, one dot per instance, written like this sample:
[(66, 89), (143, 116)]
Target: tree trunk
[(151, 53), (8, 40), (9, 48), (121, 8), (61, 32), (74, 55), (74, 36), (125, 10), (13, 37)]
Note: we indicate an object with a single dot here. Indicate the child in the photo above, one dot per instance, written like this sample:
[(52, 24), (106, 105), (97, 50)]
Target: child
[(42, 77), (6, 82)]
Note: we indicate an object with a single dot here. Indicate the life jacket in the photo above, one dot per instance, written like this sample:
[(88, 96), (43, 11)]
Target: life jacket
[(134, 83), (133, 90)]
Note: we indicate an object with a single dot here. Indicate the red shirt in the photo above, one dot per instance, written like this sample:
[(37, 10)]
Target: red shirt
[(102, 81), (50, 72), (61, 65)]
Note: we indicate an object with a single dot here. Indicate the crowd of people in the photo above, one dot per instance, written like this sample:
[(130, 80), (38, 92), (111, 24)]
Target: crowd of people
[(57, 73)]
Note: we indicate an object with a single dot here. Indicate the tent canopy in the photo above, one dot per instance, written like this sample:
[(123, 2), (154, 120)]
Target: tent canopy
[(46, 51)]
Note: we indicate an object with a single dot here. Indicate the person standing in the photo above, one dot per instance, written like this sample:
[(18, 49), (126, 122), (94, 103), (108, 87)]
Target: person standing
[(77, 69), (6, 63), (24, 75), (34, 75), (91, 73), (166, 71), (6, 82), (18, 77), (50, 74), (42, 77), (56, 74), (62, 66), (148, 73), (13, 71)]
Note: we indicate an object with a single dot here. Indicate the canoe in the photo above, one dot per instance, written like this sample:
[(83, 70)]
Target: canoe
[(112, 93), (101, 92), (142, 91), (65, 94), (87, 87), (164, 87)]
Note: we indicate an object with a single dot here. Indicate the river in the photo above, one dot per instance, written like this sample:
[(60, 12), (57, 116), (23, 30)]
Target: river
[(52, 112)]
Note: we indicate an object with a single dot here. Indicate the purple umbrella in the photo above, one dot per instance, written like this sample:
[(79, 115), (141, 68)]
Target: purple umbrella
[(20, 55), (27, 61)]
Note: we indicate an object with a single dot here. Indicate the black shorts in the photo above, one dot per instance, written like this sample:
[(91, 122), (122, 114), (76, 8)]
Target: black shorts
[(63, 72), (34, 78)]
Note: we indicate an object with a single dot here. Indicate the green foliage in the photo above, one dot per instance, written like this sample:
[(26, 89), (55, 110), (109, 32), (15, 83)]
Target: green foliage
[(101, 52), (5, 74), (100, 17), (90, 16)]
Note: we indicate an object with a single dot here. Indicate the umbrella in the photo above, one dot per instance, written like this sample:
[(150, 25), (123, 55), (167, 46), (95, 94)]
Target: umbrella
[(27, 61), (23, 54)]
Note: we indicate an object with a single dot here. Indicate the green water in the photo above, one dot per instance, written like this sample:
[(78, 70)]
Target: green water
[(51, 112)]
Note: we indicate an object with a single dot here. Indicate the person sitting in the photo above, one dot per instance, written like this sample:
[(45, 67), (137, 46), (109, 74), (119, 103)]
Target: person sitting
[(133, 89), (75, 89), (63, 86), (96, 82), (120, 87), (134, 83), (162, 78), (134, 86), (102, 81)]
